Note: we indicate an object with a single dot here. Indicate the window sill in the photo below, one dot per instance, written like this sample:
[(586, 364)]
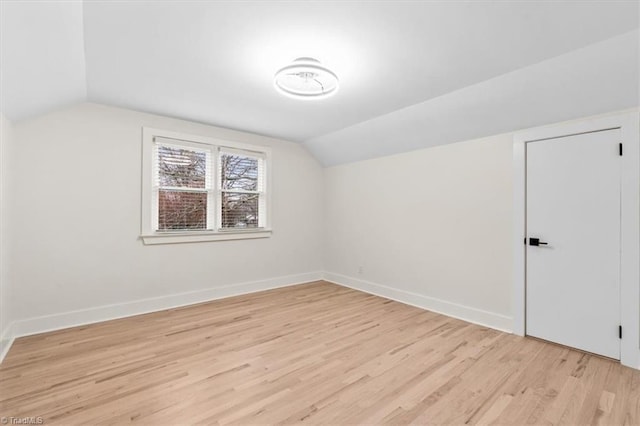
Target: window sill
[(197, 237)]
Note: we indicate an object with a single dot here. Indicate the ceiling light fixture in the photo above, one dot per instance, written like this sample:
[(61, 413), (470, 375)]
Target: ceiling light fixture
[(305, 78)]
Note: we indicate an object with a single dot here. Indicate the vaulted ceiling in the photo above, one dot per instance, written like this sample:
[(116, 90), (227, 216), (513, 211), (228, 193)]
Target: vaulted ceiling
[(412, 74)]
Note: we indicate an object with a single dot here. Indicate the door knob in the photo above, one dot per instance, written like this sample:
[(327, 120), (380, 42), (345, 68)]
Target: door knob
[(536, 242)]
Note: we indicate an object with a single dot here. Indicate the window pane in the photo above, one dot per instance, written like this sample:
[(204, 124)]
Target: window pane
[(182, 210), (239, 210), (239, 172), (181, 167)]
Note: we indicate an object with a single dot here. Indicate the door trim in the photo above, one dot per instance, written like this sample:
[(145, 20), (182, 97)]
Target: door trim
[(629, 125)]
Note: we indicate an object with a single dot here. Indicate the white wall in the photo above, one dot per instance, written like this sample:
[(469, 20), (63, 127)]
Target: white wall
[(77, 184), (6, 140), (431, 227)]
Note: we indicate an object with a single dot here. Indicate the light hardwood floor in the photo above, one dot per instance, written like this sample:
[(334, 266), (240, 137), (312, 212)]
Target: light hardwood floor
[(314, 353)]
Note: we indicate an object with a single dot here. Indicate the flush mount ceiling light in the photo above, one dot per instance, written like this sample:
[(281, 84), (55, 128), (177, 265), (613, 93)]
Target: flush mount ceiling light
[(305, 78)]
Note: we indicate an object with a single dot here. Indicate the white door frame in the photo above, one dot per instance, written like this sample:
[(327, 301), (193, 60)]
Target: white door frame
[(629, 125)]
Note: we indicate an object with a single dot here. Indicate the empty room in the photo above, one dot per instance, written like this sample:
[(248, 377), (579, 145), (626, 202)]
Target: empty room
[(319, 212)]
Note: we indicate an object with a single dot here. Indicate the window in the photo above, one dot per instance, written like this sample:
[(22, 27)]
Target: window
[(201, 189), (242, 189), (182, 186)]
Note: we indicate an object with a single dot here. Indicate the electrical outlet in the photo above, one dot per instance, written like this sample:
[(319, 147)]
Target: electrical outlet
[(360, 270)]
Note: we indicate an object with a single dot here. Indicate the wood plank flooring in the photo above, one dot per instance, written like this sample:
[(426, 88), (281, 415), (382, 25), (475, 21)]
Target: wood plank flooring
[(315, 353)]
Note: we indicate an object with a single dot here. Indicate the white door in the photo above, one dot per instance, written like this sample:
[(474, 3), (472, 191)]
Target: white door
[(573, 205)]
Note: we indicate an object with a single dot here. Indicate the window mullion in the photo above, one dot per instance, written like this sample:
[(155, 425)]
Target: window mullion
[(241, 191), (212, 180), (181, 189), (218, 188)]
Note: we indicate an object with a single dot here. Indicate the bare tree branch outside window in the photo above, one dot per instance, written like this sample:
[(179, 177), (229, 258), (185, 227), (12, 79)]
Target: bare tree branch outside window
[(183, 193), (240, 196), (182, 197)]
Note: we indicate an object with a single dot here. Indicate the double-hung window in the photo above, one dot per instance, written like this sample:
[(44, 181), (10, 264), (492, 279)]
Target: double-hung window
[(242, 189), (202, 189)]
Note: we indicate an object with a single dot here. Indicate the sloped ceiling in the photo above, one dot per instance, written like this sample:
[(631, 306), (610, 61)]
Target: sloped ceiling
[(413, 74), (42, 63), (596, 79)]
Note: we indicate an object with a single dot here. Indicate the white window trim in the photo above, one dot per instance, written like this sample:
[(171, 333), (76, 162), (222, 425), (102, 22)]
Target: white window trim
[(148, 233), (629, 125)]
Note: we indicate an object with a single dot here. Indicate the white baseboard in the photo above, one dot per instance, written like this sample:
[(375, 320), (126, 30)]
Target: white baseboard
[(6, 340), (29, 326), (465, 313)]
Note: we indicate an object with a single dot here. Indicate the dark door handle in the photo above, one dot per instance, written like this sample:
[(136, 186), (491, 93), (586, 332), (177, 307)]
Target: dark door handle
[(536, 242)]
